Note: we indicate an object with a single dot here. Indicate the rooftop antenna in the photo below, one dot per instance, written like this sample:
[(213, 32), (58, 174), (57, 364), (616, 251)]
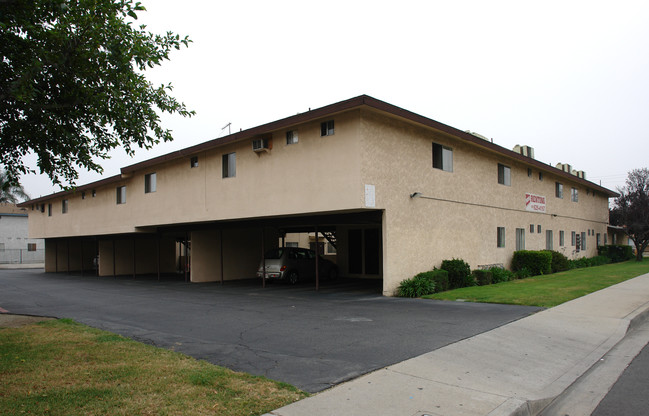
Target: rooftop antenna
[(228, 126)]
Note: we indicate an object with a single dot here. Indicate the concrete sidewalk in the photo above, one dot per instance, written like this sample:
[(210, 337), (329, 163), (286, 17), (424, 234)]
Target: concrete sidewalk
[(516, 369)]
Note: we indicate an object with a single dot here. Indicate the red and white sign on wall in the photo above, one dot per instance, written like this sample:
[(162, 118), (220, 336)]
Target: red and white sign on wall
[(534, 203)]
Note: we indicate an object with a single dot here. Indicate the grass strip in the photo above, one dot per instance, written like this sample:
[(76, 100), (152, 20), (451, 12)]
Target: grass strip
[(61, 367), (549, 290)]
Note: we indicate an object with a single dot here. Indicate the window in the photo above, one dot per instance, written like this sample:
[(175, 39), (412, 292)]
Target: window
[(589, 232), (150, 183), (599, 238), (561, 239), (504, 175), (327, 128), (583, 241), (531, 228), (229, 165), (31, 246), (193, 162), (540, 176), (574, 195), (49, 210), (573, 239), (520, 239), (501, 237), (93, 193), (330, 249), (442, 157), (558, 190), (2, 246), (83, 195), (121, 194), (64, 206), (291, 137), (291, 244), (549, 242), (529, 172), (538, 229), (605, 239)]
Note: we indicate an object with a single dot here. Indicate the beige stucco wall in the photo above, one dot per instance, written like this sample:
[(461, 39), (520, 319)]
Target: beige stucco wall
[(317, 174), (469, 205)]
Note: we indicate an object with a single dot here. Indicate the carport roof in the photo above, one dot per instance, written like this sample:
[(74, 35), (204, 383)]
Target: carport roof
[(362, 101)]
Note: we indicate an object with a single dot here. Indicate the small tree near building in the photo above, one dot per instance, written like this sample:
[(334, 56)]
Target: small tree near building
[(631, 209)]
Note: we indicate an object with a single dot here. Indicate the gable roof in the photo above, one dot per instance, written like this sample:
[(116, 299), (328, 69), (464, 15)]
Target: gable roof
[(362, 101)]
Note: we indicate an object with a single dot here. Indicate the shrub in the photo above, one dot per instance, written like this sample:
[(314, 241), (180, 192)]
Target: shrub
[(616, 253), (599, 260), (459, 273), (559, 261), (499, 275), (589, 262), (537, 262), (440, 277), (482, 277), (523, 273), (417, 286)]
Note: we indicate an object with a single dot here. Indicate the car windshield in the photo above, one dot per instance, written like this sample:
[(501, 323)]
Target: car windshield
[(275, 253)]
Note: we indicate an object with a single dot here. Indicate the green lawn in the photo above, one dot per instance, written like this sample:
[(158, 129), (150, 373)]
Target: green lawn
[(549, 290), (65, 368)]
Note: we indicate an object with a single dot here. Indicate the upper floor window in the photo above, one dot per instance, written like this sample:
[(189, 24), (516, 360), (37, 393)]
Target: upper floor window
[(558, 190), (150, 183), (83, 194), (31, 246), (193, 162), (230, 165), (121, 194), (442, 157), (49, 210), (504, 175), (327, 128), (574, 195), (291, 137), (93, 193), (64, 206)]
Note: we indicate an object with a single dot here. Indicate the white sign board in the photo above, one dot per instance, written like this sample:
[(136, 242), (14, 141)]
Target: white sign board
[(534, 203), (370, 201)]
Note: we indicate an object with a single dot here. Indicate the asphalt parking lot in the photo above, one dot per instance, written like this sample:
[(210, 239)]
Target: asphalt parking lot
[(310, 339)]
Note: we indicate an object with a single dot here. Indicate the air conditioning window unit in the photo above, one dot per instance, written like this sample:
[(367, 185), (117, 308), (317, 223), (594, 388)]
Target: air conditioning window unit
[(260, 145)]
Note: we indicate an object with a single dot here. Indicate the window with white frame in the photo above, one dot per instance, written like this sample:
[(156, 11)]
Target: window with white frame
[(561, 238), (574, 195), (583, 241), (520, 239), (193, 162), (64, 206), (549, 240), (442, 157), (327, 128), (120, 195), (230, 165), (504, 175), (573, 239), (291, 137), (150, 183)]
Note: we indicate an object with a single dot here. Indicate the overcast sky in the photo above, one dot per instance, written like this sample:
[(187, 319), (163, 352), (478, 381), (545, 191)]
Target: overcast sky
[(569, 78)]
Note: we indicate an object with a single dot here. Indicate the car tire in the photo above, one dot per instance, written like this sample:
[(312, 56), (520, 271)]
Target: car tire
[(293, 277), (333, 273)]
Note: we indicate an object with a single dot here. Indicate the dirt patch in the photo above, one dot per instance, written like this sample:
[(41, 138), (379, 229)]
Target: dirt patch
[(8, 320)]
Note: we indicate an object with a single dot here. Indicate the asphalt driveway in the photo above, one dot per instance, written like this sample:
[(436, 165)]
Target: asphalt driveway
[(310, 339)]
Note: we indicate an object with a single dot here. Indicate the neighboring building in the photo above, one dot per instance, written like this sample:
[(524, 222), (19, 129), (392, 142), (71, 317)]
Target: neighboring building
[(15, 246), (398, 193)]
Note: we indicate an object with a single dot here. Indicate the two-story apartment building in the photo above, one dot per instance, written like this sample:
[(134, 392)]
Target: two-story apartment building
[(396, 192)]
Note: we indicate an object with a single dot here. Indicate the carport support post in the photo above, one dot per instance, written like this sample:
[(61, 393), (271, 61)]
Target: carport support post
[(221, 254), (133, 245), (114, 271), (263, 258), (157, 241), (317, 258), (81, 257)]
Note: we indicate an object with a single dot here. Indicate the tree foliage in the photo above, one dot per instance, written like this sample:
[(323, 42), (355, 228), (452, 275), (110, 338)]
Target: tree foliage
[(10, 193), (72, 86), (631, 209)]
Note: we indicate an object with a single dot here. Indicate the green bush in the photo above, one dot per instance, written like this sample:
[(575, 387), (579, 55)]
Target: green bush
[(559, 261), (459, 273), (482, 277), (440, 277), (537, 262), (417, 286), (589, 262), (616, 253), (499, 275), (523, 273)]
